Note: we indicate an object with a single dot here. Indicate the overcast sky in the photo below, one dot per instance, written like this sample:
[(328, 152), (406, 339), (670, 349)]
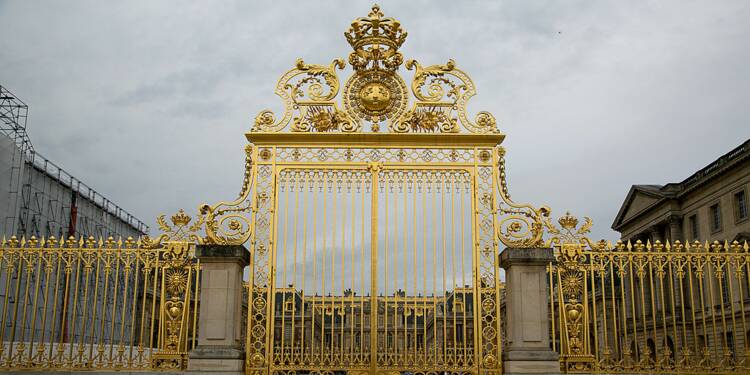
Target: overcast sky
[(147, 102)]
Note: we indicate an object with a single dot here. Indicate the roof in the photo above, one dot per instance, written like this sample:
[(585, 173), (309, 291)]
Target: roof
[(677, 190)]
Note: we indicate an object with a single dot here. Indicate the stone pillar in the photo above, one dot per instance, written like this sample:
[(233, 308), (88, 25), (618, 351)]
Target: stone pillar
[(219, 348), (675, 228), (527, 312), (656, 234)]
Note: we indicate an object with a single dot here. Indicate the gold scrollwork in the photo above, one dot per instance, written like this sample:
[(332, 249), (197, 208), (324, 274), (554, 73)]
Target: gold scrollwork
[(449, 86), (295, 91), (180, 231), (229, 223), (518, 225)]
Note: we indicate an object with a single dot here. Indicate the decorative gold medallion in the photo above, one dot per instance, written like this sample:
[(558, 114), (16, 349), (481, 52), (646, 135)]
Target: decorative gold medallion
[(375, 96)]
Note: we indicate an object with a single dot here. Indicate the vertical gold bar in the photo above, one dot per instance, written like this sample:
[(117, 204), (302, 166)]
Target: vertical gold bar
[(701, 298), (64, 320), (624, 310), (48, 268), (303, 293), (452, 178), (664, 326), (85, 298), (728, 275), (615, 336), (434, 347), (334, 350), (720, 281), (653, 303), (73, 319), (196, 296), (551, 272), (644, 322), (315, 262), (373, 270), (444, 295), (12, 355), (296, 185), (398, 342), (142, 329), (602, 267), (673, 310), (690, 261), (404, 186), (423, 191), (29, 257), (353, 265), (9, 268), (324, 352), (710, 274), (362, 179), (632, 304), (414, 252), (39, 261), (347, 186), (114, 307), (385, 266), (126, 281), (463, 269), (592, 282), (741, 296), (155, 285), (286, 186), (133, 307)]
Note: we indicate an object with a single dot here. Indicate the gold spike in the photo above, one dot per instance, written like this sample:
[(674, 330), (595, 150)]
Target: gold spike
[(100, 242), (81, 241), (630, 246), (746, 247), (42, 242), (668, 246), (119, 241)]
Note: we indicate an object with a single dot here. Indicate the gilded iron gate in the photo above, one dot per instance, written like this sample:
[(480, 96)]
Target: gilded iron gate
[(374, 223)]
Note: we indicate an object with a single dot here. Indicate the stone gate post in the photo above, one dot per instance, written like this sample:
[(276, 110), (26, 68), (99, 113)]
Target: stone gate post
[(219, 348), (528, 348)]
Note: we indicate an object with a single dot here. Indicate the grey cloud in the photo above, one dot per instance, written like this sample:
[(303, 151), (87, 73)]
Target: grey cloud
[(594, 96)]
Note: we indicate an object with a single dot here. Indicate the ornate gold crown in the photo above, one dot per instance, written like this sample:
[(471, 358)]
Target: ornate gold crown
[(568, 221), (368, 35), (180, 218), (374, 29)]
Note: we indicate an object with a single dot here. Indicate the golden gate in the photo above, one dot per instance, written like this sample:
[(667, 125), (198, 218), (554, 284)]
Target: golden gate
[(374, 224)]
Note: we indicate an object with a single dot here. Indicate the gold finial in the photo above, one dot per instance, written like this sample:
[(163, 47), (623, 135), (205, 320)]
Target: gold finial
[(180, 218)]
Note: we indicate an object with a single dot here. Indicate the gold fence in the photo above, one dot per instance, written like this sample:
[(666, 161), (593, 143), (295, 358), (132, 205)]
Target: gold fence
[(96, 305), (649, 308)]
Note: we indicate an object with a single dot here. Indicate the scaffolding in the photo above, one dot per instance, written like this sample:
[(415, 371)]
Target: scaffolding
[(44, 199)]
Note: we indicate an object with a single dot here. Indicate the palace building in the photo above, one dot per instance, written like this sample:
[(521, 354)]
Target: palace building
[(711, 204)]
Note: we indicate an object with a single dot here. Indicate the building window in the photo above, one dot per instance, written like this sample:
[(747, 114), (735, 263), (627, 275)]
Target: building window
[(693, 220), (740, 205), (715, 211)]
